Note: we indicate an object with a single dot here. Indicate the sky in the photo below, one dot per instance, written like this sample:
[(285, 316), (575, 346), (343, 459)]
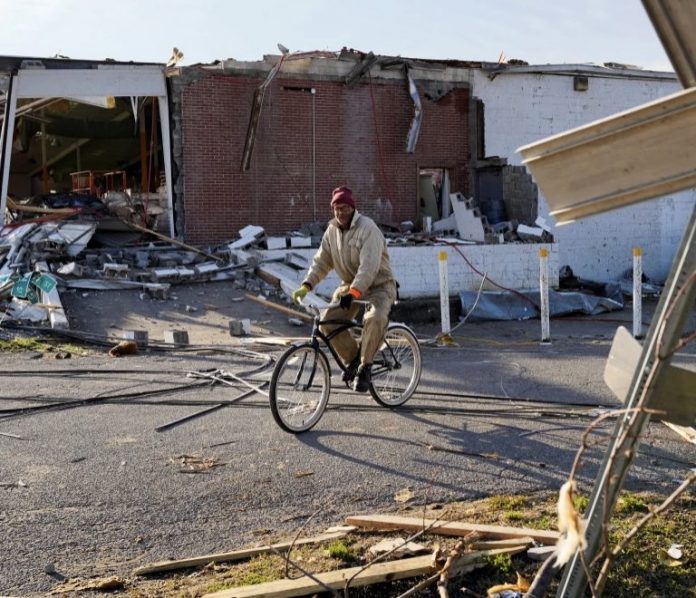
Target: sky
[(538, 31)]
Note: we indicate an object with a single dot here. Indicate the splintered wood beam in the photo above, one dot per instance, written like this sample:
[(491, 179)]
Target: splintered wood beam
[(285, 588), (235, 555), (450, 528)]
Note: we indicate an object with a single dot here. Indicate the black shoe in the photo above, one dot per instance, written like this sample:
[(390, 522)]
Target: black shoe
[(363, 379), (351, 370)]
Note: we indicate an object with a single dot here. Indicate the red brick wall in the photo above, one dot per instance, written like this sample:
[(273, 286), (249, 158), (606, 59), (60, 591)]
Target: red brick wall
[(276, 192)]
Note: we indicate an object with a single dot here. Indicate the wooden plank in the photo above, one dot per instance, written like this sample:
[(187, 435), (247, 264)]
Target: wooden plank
[(688, 433), (276, 306), (235, 555), (632, 156), (286, 588), (450, 528)]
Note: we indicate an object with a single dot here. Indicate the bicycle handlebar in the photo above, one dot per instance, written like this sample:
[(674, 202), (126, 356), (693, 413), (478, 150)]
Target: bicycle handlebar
[(316, 310)]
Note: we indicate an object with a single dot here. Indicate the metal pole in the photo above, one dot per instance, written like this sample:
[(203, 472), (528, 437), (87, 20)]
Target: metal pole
[(314, 154), (444, 293), (676, 302), (544, 294), (637, 292)]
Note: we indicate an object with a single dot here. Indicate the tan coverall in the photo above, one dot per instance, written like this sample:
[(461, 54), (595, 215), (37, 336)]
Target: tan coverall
[(359, 256)]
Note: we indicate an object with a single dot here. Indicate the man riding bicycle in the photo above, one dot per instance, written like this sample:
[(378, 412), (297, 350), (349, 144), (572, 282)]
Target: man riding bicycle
[(354, 246)]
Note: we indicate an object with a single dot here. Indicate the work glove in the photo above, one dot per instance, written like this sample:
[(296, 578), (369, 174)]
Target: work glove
[(346, 301), (299, 294)]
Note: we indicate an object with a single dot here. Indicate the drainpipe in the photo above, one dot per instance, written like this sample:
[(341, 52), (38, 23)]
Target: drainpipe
[(314, 154)]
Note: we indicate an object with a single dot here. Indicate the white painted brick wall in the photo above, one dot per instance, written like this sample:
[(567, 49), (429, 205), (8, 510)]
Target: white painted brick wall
[(522, 108), (512, 265)]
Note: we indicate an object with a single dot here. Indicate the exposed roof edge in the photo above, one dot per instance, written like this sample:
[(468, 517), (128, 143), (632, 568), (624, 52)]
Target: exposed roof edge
[(594, 70), (13, 63)]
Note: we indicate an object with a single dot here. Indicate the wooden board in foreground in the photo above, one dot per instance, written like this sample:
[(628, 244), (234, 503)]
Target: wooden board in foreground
[(286, 588), (450, 528), (236, 555)]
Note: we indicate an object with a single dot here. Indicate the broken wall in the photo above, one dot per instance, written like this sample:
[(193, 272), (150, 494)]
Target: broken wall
[(512, 265), (357, 136), (522, 107)]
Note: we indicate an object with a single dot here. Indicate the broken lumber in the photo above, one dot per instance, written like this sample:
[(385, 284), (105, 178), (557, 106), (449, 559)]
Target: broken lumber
[(510, 542), (142, 229), (235, 555), (285, 588), (450, 528), (285, 310)]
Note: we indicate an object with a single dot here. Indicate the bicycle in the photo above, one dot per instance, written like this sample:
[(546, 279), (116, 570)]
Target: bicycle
[(301, 380)]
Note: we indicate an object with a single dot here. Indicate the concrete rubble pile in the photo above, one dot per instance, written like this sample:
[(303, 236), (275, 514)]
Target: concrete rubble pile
[(40, 259)]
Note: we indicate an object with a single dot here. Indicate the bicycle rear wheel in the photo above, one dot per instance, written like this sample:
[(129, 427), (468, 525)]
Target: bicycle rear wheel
[(396, 368), (300, 387)]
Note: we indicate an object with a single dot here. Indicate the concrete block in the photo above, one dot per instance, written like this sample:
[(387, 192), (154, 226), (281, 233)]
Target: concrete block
[(164, 273), (115, 270), (531, 233), (240, 327), (300, 241), (449, 223), (158, 291), (139, 336), (206, 268), (276, 242), (251, 230), (469, 226), (176, 337)]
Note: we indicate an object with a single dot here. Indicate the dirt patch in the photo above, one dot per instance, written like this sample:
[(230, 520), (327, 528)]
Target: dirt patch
[(643, 569), (203, 310)]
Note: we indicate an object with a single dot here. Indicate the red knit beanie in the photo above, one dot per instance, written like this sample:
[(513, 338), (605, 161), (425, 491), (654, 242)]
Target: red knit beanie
[(342, 195)]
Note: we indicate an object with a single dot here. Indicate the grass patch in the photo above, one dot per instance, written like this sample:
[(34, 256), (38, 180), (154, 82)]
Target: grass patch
[(502, 563), (631, 503), (20, 344), (507, 503), (642, 570), (339, 550)]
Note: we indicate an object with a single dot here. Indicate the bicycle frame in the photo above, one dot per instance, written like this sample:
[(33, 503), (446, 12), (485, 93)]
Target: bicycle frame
[(342, 325)]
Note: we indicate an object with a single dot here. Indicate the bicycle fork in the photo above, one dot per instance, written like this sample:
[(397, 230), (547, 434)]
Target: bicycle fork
[(301, 370)]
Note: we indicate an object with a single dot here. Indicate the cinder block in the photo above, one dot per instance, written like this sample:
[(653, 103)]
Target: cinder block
[(139, 336), (276, 242), (176, 337), (159, 292), (240, 327), (300, 241)]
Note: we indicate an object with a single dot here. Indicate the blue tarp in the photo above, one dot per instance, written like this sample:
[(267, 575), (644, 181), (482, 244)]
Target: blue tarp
[(504, 305)]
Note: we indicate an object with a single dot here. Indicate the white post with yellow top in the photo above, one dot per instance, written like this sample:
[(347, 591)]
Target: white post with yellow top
[(637, 292), (444, 293)]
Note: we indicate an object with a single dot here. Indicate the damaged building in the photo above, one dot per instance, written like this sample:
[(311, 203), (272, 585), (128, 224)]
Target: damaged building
[(200, 152)]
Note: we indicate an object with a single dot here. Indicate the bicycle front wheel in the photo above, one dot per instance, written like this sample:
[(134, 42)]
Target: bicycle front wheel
[(300, 387), (396, 368)]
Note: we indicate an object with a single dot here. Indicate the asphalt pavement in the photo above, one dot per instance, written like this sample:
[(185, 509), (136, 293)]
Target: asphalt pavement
[(89, 487)]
